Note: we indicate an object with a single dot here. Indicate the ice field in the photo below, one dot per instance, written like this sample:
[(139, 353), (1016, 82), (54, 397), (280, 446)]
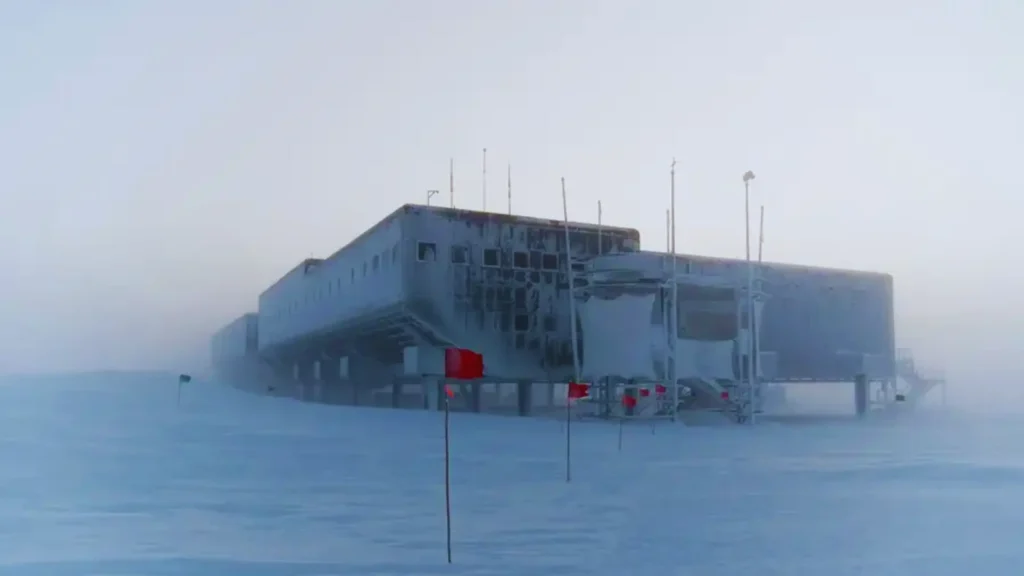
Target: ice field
[(105, 475)]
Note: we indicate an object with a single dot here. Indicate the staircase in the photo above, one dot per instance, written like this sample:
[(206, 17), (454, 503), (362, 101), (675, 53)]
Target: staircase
[(906, 370)]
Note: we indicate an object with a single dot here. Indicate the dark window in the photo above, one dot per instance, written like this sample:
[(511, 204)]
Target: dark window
[(550, 262), (521, 260), (353, 275), (364, 269), (426, 252), (376, 263), (394, 253), (491, 257), (535, 260), (460, 255), (520, 298), (522, 322)]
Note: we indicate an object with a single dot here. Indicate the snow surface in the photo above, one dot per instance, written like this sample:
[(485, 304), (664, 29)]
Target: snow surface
[(98, 477)]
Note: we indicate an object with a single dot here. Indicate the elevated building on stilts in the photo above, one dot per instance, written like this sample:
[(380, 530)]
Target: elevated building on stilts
[(365, 325)]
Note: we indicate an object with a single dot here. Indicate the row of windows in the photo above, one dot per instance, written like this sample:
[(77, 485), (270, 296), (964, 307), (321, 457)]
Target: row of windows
[(425, 252), (491, 257), (332, 287)]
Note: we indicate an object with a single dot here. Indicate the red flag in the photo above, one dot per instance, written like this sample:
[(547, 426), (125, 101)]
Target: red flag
[(448, 390), (659, 389), (644, 392), (725, 395), (463, 364), (577, 391), (628, 401)]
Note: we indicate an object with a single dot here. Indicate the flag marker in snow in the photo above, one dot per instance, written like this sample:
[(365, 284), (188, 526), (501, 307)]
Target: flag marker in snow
[(459, 364), (182, 380), (627, 402), (575, 392)]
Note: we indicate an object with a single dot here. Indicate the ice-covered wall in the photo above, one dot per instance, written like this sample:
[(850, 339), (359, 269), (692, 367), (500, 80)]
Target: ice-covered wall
[(499, 284)]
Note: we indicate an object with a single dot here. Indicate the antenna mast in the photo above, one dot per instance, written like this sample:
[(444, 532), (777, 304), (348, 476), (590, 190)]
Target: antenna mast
[(485, 181), (509, 188), (760, 237), (451, 181), (673, 335)]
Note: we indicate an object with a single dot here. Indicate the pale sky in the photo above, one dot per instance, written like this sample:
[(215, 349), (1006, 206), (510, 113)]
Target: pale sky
[(163, 162)]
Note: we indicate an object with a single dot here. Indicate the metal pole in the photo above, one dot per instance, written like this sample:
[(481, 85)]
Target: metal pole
[(760, 237), (600, 239), (572, 286), (484, 189), (664, 298), (451, 182), (431, 194), (674, 334), (510, 189), (572, 327), (750, 298), (447, 478)]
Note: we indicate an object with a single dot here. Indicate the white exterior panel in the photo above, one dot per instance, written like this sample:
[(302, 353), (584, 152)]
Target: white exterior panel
[(617, 338)]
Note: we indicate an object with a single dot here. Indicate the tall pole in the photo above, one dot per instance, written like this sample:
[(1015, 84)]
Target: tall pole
[(668, 231), (760, 237), (510, 189), (664, 296), (572, 328), (747, 177), (572, 286), (431, 194), (451, 182), (757, 321), (674, 334), (600, 237), (484, 188), (447, 477)]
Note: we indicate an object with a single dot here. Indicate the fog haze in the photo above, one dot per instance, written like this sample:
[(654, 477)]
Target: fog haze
[(163, 162)]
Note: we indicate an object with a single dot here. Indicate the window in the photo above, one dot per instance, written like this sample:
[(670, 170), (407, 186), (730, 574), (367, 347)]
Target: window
[(353, 275), (520, 298), (535, 260), (426, 251), (521, 260), (522, 322), (376, 262), (394, 253), (492, 257), (550, 262), (364, 269), (460, 255)]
